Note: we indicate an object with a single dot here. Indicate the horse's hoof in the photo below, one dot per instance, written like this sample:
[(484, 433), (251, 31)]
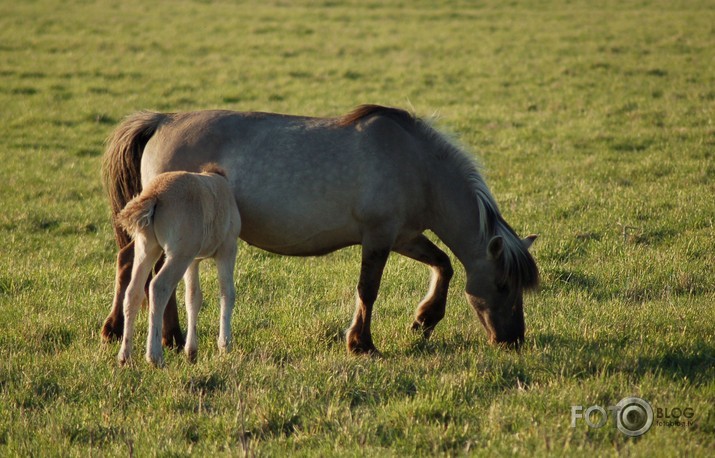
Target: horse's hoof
[(423, 329), (112, 331), (367, 349), (173, 339)]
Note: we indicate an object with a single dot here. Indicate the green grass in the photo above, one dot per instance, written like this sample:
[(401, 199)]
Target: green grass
[(588, 119)]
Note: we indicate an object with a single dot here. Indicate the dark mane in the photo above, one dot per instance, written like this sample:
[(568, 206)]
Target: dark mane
[(365, 111), (518, 266)]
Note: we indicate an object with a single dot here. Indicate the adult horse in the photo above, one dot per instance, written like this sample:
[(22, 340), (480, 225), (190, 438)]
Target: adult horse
[(378, 177)]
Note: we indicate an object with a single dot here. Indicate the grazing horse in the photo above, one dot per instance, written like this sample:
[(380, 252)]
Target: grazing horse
[(377, 177), (186, 217)]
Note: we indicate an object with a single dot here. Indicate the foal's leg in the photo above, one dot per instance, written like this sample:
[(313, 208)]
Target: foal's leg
[(226, 263), (359, 338), (171, 329), (194, 299), (432, 308), (144, 259), (160, 290), (114, 323)]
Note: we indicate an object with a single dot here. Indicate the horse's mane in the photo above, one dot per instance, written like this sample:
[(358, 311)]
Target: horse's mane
[(365, 111), (519, 267)]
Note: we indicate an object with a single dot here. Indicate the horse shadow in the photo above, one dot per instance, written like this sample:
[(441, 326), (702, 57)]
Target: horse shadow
[(694, 364)]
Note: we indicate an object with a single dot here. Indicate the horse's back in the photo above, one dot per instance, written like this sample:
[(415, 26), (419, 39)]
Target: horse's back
[(303, 185)]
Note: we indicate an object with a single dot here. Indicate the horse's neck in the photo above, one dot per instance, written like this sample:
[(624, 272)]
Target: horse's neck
[(456, 219)]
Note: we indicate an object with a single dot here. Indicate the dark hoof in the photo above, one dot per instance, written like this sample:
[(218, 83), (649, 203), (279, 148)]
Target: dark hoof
[(173, 338), (423, 329), (360, 351), (513, 345), (363, 348), (111, 330)]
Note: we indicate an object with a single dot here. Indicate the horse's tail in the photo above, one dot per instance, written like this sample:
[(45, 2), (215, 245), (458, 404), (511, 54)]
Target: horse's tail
[(138, 215), (121, 168)]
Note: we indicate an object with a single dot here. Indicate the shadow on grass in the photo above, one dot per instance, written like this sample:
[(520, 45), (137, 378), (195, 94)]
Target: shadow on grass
[(580, 358), (444, 345), (694, 364)]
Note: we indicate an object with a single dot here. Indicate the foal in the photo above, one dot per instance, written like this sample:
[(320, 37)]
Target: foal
[(188, 217)]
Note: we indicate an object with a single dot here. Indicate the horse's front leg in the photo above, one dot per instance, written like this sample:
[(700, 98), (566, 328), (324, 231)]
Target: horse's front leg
[(432, 308), (359, 338), (194, 300), (226, 264), (113, 327)]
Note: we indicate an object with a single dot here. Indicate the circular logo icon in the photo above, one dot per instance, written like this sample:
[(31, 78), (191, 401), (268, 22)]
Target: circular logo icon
[(635, 416)]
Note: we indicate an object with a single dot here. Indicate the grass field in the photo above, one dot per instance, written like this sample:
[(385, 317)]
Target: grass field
[(595, 125)]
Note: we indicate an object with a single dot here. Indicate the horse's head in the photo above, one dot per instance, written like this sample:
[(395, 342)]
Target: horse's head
[(495, 288)]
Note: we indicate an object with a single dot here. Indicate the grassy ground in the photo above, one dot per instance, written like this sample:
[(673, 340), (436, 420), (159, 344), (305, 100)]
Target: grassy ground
[(595, 126)]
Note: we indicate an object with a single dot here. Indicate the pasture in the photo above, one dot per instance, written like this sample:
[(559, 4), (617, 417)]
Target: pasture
[(595, 127)]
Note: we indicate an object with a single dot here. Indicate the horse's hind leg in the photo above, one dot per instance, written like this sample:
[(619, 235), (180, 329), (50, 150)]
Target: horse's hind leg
[(144, 259), (171, 335), (432, 308), (160, 290), (113, 326), (114, 323), (194, 299), (359, 337)]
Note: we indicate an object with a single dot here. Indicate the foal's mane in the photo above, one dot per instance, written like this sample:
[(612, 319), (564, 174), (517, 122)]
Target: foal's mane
[(213, 167), (518, 266)]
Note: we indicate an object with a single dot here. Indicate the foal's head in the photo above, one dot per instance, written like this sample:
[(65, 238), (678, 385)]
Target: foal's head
[(496, 285)]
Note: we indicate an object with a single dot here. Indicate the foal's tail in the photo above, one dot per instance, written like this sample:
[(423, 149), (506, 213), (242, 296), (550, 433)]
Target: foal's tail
[(138, 215), (121, 167)]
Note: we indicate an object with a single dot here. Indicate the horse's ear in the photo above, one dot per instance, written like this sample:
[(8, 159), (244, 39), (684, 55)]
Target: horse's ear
[(495, 247), (528, 240)]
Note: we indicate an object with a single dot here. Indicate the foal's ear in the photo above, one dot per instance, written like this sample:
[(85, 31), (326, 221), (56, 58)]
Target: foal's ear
[(528, 240), (495, 247)]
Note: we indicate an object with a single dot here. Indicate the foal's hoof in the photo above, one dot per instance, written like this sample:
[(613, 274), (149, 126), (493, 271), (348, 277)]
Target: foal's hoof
[(423, 329), (155, 360), (111, 330), (191, 355), (224, 346), (122, 360)]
